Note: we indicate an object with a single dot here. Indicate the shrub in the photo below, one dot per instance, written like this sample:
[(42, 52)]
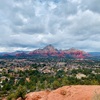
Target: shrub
[(20, 92), (11, 97)]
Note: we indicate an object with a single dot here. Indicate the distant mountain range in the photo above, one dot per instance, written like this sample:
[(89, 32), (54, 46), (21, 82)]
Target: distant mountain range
[(49, 51)]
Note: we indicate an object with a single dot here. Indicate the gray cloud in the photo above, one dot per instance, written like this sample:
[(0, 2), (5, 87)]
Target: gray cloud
[(30, 24), (91, 5)]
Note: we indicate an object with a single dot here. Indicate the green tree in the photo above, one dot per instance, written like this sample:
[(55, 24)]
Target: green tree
[(56, 84), (20, 92)]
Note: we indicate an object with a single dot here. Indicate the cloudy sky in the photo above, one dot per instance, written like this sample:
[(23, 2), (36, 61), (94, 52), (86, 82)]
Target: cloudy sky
[(31, 24)]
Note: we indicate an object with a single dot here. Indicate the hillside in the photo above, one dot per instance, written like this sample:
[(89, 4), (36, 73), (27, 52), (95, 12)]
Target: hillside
[(78, 92)]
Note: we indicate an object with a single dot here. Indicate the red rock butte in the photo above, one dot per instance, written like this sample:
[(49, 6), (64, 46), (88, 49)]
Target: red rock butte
[(50, 50)]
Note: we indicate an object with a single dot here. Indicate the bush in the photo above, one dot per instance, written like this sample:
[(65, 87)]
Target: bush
[(56, 84), (20, 92), (11, 96)]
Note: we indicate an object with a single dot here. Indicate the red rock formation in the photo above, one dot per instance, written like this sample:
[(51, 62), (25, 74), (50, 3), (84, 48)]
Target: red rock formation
[(51, 51), (66, 93)]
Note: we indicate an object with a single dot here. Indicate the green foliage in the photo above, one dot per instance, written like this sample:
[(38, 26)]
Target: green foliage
[(20, 92), (65, 81), (6, 87), (55, 84), (43, 81), (11, 96)]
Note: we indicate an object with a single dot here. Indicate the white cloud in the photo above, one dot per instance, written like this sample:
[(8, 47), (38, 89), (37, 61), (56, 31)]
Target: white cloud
[(29, 24)]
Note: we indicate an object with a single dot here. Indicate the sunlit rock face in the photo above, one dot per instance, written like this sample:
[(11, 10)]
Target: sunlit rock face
[(66, 93)]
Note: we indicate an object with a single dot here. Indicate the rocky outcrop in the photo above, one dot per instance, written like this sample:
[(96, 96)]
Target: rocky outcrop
[(42, 95), (66, 93)]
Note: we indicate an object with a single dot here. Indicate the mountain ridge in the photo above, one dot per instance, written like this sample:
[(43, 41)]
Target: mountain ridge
[(50, 51)]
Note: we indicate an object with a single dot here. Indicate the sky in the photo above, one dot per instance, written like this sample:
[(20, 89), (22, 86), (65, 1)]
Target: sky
[(31, 24)]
